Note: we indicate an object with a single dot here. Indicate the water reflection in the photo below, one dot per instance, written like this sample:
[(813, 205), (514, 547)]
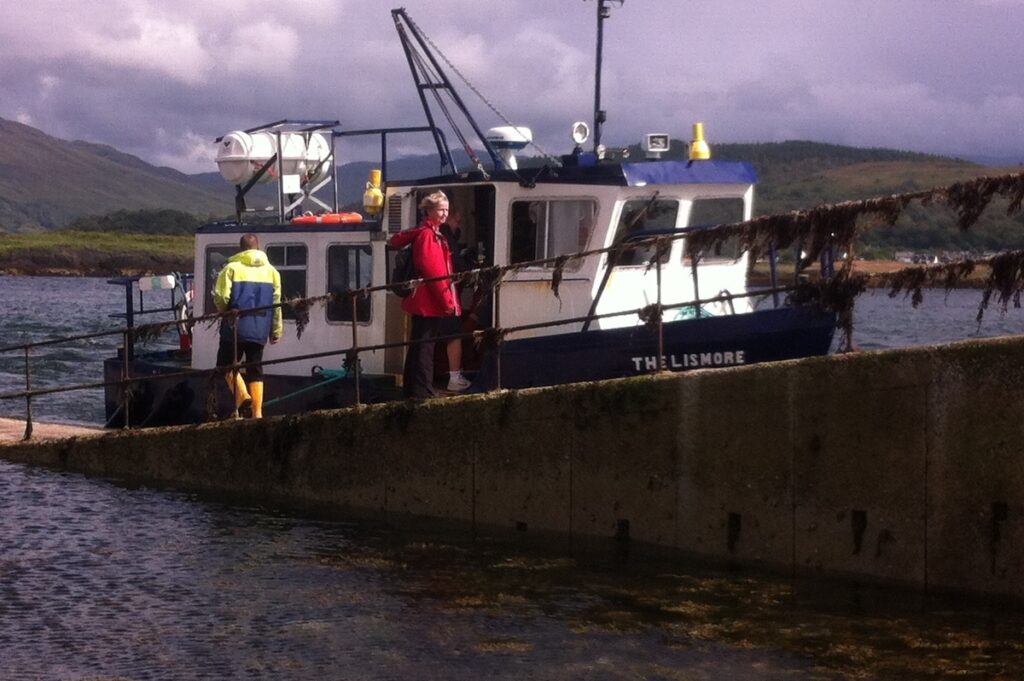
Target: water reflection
[(942, 317), (103, 581)]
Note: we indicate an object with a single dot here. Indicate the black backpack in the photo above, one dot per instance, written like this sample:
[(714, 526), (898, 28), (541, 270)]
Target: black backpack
[(403, 271)]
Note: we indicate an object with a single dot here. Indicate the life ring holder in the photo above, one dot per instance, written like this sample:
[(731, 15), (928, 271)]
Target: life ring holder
[(183, 315)]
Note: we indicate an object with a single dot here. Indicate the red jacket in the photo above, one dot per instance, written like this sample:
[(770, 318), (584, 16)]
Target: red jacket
[(432, 257)]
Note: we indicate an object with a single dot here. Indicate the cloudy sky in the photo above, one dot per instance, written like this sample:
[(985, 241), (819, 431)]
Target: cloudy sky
[(162, 79)]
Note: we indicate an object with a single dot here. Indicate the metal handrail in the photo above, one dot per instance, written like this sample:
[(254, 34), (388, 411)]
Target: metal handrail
[(494, 274), (378, 346)]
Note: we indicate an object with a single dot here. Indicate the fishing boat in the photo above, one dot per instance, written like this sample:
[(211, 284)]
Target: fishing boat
[(592, 272)]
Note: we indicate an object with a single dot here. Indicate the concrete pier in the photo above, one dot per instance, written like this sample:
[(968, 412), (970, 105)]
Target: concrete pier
[(13, 430), (902, 466)]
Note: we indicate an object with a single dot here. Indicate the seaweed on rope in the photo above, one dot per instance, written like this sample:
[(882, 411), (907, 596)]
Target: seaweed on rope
[(144, 333), (300, 307), (912, 280), (1006, 279), (969, 199), (837, 295), (651, 316), (556, 274), (836, 226), (350, 360), (489, 339)]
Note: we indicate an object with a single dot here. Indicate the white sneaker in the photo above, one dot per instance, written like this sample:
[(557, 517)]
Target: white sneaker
[(458, 383)]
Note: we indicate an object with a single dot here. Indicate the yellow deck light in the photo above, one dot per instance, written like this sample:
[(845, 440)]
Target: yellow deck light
[(373, 198), (699, 149)]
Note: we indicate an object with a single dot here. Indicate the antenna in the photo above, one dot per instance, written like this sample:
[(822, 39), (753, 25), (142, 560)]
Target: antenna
[(603, 12)]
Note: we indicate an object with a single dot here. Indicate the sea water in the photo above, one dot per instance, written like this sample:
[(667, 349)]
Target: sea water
[(40, 308), (100, 580)]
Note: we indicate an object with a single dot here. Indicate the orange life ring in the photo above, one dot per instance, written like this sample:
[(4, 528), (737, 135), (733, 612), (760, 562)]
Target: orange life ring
[(328, 219)]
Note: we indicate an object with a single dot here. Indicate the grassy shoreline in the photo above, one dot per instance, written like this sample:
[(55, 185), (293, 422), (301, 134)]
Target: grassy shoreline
[(976, 280), (104, 254), (99, 254)]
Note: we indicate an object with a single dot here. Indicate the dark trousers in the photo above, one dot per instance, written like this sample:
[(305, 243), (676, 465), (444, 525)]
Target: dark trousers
[(252, 352), (418, 377)]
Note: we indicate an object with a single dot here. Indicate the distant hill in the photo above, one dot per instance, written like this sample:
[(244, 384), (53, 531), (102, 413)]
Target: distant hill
[(47, 182), (797, 175)]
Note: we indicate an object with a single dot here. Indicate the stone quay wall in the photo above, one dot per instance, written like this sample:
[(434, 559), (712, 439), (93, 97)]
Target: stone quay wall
[(902, 466)]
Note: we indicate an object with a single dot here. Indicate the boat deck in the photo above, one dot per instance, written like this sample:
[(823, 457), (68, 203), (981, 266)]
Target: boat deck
[(12, 430)]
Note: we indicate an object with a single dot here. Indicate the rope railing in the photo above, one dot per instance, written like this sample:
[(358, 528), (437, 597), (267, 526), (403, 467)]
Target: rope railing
[(495, 334), (476, 334), (820, 228)]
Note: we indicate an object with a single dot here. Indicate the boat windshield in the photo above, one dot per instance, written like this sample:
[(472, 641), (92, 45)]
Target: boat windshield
[(718, 211), (644, 215)]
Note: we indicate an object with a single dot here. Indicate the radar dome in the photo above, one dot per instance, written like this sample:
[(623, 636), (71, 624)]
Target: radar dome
[(507, 139)]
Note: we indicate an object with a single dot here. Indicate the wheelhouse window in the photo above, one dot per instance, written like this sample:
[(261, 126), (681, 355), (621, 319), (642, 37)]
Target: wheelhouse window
[(642, 218), (547, 229), (348, 268), (290, 261), (710, 212), (216, 259)]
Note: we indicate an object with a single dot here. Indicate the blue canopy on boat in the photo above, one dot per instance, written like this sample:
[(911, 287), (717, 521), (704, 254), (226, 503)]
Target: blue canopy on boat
[(689, 172)]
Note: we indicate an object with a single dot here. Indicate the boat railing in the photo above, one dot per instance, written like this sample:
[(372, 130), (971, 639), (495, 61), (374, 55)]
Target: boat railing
[(287, 202), (482, 278), (814, 232)]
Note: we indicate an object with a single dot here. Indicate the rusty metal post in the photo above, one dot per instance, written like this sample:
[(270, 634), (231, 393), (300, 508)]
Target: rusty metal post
[(661, 320), (28, 398), (236, 373), (125, 387), (696, 284), (497, 329), (355, 346)]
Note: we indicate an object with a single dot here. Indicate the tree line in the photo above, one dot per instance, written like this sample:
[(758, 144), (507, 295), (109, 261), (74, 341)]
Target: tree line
[(146, 221)]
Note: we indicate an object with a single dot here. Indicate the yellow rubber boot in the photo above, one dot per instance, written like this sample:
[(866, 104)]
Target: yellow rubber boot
[(236, 384), (256, 390)]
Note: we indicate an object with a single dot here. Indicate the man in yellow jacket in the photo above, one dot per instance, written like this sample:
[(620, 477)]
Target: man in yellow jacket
[(247, 282)]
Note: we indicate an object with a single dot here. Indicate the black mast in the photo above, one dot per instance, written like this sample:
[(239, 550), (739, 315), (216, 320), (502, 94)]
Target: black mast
[(599, 115), (437, 82)]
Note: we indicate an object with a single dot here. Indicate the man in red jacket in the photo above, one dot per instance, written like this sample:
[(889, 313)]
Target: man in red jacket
[(434, 305)]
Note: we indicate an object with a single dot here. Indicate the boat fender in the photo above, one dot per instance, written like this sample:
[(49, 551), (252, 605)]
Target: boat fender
[(184, 318), (162, 282)]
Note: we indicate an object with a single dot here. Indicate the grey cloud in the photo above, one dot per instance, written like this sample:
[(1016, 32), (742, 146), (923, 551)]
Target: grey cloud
[(155, 79)]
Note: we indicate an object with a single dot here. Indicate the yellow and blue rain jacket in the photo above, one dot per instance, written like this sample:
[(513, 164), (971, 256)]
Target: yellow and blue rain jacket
[(249, 281)]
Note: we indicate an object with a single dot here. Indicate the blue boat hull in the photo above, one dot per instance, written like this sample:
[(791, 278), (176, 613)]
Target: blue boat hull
[(733, 340)]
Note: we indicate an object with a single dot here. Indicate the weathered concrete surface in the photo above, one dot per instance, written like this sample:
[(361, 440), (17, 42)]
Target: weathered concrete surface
[(901, 466), (13, 430)]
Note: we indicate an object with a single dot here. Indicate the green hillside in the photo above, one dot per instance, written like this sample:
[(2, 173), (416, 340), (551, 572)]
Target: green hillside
[(46, 182), (50, 183)]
